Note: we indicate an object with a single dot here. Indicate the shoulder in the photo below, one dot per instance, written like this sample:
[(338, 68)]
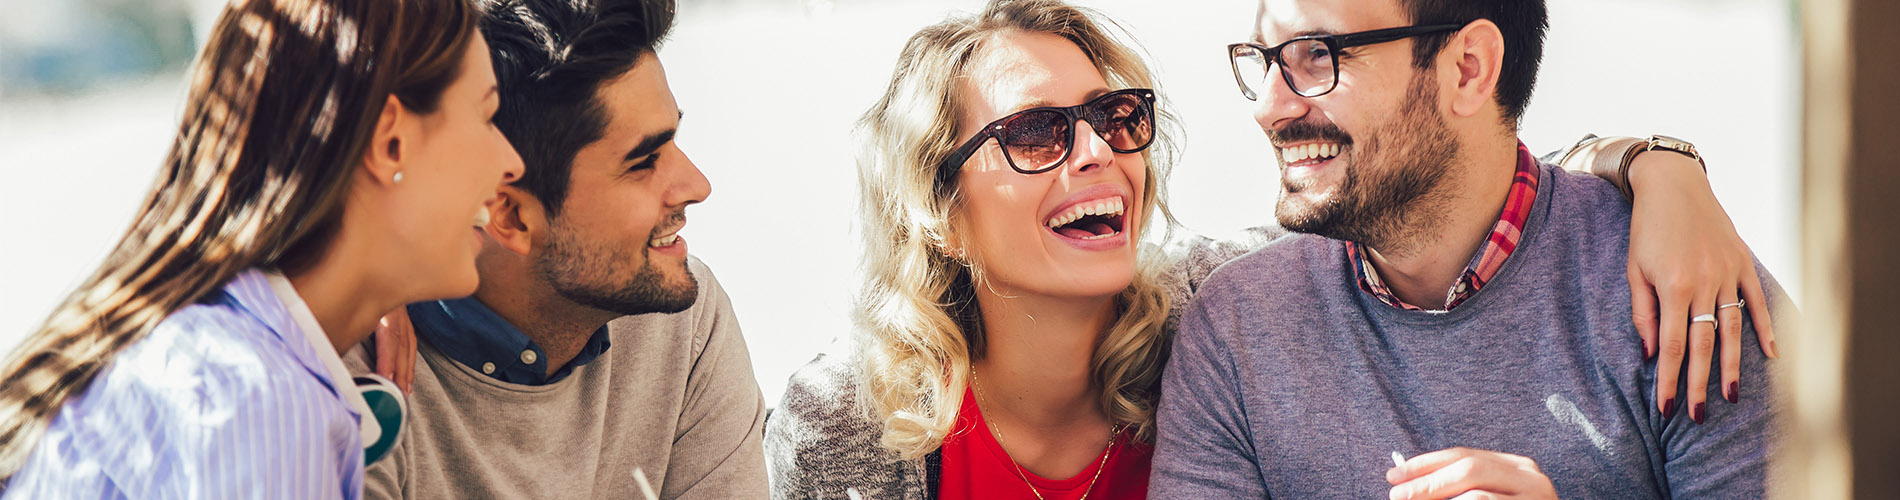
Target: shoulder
[(820, 441), (211, 388), (1285, 265), (1583, 204)]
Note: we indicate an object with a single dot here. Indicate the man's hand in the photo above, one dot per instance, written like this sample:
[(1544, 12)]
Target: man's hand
[(1686, 260), (1467, 474), (394, 349)]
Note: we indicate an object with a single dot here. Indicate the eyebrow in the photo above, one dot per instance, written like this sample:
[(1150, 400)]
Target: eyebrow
[(1261, 38), (652, 142), (1038, 102)]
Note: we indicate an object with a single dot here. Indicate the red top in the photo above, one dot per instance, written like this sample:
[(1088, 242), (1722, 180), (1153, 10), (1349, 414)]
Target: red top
[(975, 467)]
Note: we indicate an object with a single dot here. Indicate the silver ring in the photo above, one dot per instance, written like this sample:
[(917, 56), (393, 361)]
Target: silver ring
[(1703, 318), (1738, 303)]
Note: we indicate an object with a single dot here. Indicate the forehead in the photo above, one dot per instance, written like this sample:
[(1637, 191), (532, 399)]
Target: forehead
[(638, 102), (1017, 70), (1279, 20)]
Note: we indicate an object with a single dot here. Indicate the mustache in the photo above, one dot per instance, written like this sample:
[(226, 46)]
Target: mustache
[(1308, 130), (671, 223)]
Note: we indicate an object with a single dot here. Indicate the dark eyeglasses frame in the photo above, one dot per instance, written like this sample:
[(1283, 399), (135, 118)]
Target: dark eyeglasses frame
[(948, 169), (1334, 44)]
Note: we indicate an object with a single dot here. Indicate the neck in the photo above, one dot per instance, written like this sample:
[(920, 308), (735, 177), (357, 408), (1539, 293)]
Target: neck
[(1036, 364), (344, 294), (1424, 264), (560, 326)]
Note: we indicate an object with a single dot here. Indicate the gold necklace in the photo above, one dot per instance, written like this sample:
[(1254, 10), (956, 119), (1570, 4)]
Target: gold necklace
[(1020, 472)]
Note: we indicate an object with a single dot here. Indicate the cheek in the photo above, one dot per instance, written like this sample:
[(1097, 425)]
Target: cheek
[(1000, 209)]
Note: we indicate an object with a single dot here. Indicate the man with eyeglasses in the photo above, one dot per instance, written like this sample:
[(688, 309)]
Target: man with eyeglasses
[(1455, 319)]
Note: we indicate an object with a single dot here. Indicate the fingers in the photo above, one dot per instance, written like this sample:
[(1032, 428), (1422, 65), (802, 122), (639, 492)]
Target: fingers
[(1671, 346), (1758, 311), (385, 344), (1701, 353), (1461, 471), (1729, 327), (1643, 309), (395, 352)]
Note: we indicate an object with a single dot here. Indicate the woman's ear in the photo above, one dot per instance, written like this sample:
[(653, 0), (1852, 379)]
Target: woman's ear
[(515, 219), (384, 157)]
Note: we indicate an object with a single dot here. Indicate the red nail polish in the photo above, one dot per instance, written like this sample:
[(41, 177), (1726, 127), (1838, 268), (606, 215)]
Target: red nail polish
[(1698, 413), (1669, 409), (1734, 391)]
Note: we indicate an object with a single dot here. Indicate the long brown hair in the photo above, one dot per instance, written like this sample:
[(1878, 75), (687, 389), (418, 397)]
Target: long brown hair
[(282, 104)]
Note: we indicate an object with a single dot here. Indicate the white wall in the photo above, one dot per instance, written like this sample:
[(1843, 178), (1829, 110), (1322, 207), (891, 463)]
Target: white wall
[(771, 88)]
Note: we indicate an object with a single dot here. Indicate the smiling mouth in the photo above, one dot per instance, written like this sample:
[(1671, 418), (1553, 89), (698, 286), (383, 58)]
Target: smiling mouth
[(1308, 154), (1089, 221)]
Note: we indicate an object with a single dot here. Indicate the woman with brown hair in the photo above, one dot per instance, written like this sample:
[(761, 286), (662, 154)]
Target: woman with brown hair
[(333, 158)]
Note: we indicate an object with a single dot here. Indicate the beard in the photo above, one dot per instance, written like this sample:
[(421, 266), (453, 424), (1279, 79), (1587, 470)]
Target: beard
[(600, 275), (1391, 182)]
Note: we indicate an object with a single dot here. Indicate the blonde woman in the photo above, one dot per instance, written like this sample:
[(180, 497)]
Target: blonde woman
[(1012, 328), (333, 158)]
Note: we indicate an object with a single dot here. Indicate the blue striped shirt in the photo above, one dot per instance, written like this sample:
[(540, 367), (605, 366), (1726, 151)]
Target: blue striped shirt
[(225, 399)]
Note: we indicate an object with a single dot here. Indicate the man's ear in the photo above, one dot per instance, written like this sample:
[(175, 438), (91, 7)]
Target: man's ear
[(515, 219), (383, 159), (1477, 52)]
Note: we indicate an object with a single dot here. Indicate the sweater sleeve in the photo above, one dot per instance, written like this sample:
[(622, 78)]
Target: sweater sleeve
[(820, 446), (1203, 447), (716, 453)]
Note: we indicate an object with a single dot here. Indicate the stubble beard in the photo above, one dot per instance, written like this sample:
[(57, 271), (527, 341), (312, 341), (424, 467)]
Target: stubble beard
[(1392, 194)]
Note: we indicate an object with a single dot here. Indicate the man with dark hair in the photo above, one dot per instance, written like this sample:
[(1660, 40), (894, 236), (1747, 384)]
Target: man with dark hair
[(1453, 300), (596, 354)]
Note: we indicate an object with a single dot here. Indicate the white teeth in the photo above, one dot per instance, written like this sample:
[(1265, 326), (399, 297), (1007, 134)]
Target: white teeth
[(1305, 152), (1111, 206), (481, 216), (664, 241)]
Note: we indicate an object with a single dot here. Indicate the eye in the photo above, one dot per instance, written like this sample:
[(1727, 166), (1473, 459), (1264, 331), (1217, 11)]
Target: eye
[(645, 163)]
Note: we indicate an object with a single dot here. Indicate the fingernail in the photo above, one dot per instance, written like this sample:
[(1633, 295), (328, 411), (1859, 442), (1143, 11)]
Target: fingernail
[(1698, 413), (1774, 351), (1734, 392), (1669, 409)]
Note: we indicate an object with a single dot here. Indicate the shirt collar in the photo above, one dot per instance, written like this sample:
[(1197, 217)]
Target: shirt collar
[(470, 333), (1484, 264), (269, 297)]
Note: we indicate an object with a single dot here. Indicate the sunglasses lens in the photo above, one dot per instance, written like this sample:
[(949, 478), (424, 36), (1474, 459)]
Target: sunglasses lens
[(1123, 121), (1035, 140)]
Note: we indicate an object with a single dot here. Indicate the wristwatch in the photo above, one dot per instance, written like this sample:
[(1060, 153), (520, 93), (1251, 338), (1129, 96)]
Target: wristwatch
[(1656, 142)]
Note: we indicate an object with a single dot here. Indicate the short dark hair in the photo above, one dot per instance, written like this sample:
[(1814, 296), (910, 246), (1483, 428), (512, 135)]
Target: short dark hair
[(1522, 22), (551, 58)]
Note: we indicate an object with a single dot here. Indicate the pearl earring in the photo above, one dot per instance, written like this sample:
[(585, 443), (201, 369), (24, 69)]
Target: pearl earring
[(398, 178)]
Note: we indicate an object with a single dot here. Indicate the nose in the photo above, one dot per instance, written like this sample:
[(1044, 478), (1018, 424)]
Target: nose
[(1277, 105), (511, 165), (689, 184), (1090, 152)]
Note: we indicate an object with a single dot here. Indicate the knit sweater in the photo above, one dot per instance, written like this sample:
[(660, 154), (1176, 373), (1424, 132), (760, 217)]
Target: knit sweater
[(1289, 381)]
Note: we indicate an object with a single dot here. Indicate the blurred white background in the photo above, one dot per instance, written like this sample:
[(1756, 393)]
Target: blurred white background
[(771, 89)]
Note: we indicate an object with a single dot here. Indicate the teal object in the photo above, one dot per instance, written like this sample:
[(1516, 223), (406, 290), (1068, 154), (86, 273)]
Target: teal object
[(387, 406)]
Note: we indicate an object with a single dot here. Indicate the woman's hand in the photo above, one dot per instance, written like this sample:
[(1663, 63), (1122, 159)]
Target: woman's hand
[(1465, 473), (1685, 260), (395, 349)]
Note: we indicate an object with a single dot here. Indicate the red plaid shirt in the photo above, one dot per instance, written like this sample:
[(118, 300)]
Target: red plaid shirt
[(1490, 257)]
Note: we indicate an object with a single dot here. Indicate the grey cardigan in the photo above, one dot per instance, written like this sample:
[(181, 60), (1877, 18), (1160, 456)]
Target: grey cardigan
[(819, 445)]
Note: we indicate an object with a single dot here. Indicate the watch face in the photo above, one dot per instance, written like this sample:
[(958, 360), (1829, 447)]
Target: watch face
[(1673, 144)]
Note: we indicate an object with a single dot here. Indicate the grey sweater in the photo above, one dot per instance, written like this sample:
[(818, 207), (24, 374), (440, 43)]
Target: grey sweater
[(818, 444), (1288, 381), (674, 396)]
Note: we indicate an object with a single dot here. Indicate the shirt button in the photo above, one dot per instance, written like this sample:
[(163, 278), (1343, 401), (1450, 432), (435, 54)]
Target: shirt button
[(488, 368), (528, 357)]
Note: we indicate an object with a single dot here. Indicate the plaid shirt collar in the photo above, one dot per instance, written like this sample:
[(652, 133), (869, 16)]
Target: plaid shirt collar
[(1490, 257)]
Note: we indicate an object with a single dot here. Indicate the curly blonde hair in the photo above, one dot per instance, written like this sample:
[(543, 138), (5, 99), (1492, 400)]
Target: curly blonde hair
[(916, 316)]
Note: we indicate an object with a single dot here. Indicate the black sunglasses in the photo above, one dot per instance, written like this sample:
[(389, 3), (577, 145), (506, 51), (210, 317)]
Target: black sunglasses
[(1037, 140), (1310, 64)]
